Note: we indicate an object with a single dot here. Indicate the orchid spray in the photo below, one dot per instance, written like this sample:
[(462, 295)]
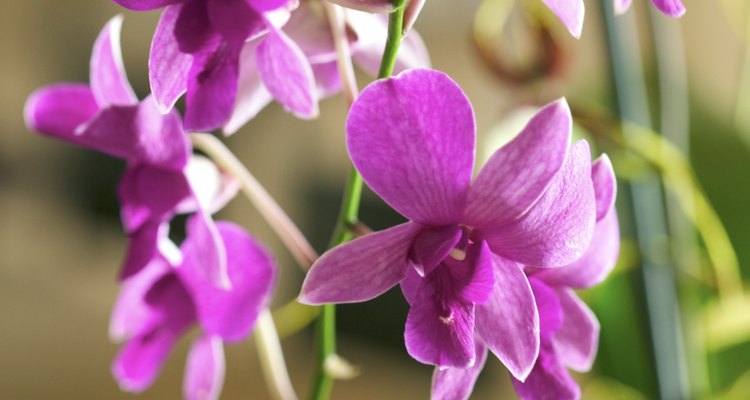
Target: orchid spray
[(487, 263)]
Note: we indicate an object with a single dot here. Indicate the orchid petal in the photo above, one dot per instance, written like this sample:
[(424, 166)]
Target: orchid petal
[(558, 228), (148, 193), (458, 383), (139, 134), (673, 8), (412, 139), (594, 266), (168, 66), (143, 247), (214, 187), (231, 314), (109, 83), (212, 89), (519, 172), (361, 269), (370, 6), (266, 5), (311, 32), (439, 330), (145, 5), (432, 245), (508, 322), (327, 79), (578, 338), (208, 254), (252, 96), (132, 315), (287, 74), (621, 6), (605, 185), (204, 371), (571, 14), (549, 308), (57, 110), (472, 279), (235, 20), (548, 380)]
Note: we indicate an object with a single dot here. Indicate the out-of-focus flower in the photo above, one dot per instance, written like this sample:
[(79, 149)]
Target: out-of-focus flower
[(569, 331), (459, 259), (309, 29), (160, 303)]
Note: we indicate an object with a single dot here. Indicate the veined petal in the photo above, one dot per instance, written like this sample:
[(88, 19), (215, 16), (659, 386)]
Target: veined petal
[(577, 340), (673, 8), (549, 308), (204, 371), (371, 33), (412, 139), (371, 6), (57, 110), (231, 314), (362, 269), (168, 65), (594, 266), (518, 173), (145, 5), (472, 279), (621, 6), (458, 383), (252, 95), (571, 14), (109, 83), (432, 245), (548, 380), (439, 329), (287, 74), (212, 88), (558, 228), (605, 185), (132, 315), (508, 322)]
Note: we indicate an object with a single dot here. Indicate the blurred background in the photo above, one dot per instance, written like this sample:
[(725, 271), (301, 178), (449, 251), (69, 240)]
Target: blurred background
[(675, 321)]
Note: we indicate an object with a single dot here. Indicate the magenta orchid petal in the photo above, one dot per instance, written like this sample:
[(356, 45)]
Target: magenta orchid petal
[(57, 110), (361, 269), (235, 20), (252, 95), (208, 253), (508, 323), (432, 245), (571, 14), (143, 247), (146, 5), (212, 89), (548, 380), (312, 33), (410, 284), (578, 338), (549, 308), (148, 193), (558, 228), (109, 83), (230, 314), (439, 331), (518, 173), (605, 185), (266, 5), (370, 6), (621, 6), (327, 79), (472, 279), (204, 371), (287, 74), (138, 134), (673, 8), (458, 383), (132, 315), (168, 66), (598, 261), (412, 139)]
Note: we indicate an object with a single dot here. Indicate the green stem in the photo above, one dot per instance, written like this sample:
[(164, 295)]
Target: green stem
[(348, 217)]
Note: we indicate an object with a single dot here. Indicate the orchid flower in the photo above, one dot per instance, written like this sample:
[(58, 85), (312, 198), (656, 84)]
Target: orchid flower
[(160, 303), (196, 50), (161, 177), (308, 29), (459, 259), (569, 331), (571, 12)]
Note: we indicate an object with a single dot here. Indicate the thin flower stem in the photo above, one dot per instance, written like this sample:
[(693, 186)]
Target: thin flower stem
[(287, 231), (272, 358), (336, 19), (348, 215)]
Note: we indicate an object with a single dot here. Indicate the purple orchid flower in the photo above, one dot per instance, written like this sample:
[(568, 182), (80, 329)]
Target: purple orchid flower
[(106, 116), (569, 331), (459, 258), (309, 30), (571, 12), (160, 303), (196, 51)]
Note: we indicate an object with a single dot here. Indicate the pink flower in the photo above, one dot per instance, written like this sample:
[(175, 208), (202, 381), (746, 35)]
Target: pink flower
[(459, 259)]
